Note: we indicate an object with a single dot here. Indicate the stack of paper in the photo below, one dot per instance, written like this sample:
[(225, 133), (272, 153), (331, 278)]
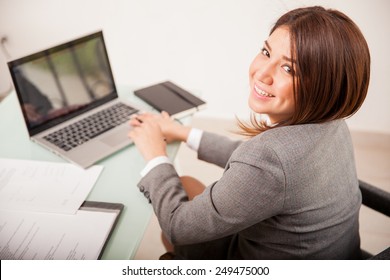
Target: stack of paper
[(39, 211), (44, 186)]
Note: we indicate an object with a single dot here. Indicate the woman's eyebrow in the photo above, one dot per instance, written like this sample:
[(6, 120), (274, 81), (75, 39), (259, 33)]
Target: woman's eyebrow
[(289, 59), (284, 57), (267, 45)]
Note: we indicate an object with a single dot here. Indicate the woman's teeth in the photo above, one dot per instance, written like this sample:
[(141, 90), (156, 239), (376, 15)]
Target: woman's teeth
[(262, 92)]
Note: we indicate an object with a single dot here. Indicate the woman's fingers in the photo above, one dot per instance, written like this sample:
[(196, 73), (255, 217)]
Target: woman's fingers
[(165, 115), (169, 128), (149, 139)]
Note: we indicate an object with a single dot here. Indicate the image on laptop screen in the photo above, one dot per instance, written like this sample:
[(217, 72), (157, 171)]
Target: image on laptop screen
[(59, 83)]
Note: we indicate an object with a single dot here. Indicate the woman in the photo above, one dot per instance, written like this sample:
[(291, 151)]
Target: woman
[(291, 190)]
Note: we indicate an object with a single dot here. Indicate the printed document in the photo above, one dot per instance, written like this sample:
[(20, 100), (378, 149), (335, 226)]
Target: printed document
[(27, 185), (43, 236)]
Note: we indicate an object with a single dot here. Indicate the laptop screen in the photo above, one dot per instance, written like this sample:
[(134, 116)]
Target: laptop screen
[(62, 82)]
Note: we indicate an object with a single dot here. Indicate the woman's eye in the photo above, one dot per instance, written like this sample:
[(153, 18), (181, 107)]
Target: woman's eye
[(265, 52), (288, 69)]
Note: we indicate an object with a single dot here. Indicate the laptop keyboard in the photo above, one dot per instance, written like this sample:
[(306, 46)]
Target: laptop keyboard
[(86, 129)]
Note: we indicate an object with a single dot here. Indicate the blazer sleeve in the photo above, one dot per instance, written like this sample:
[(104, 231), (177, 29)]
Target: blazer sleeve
[(216, 149), (248, 192)]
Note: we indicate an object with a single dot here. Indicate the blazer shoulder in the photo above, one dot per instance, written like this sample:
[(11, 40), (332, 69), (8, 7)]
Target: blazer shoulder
[(295, 140)]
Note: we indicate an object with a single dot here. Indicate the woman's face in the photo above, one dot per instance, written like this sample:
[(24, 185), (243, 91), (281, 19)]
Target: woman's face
[(271, 79)]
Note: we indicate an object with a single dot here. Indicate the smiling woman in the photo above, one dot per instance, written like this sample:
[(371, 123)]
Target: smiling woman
[(271, 78), (291, 190), (327, 62)]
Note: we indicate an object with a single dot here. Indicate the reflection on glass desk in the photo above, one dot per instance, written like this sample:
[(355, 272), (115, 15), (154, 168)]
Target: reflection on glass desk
[(117, 183)]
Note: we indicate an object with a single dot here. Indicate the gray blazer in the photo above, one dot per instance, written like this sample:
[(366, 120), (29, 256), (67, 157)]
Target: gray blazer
[(288, 193)]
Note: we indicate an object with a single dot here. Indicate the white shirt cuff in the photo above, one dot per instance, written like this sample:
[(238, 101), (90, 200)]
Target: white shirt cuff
[(153, 163), (193, 140)]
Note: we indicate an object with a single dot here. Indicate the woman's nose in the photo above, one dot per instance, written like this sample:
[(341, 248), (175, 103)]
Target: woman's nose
[(265, 74)]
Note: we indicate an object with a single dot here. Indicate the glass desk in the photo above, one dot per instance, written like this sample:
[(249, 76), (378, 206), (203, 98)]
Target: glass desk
[(117, 182)]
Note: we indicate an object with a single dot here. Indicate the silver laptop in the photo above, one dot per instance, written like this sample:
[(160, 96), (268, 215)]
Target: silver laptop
[(69, 100)]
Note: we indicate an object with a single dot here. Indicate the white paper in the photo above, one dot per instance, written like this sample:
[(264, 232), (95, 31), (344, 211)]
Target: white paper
[(27, 185), (42, 236)]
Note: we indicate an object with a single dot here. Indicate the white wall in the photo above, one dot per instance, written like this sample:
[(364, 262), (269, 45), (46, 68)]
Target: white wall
[(204, 45)]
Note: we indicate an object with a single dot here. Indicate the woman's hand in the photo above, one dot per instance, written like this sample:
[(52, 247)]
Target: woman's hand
[(151, 132), (148, 138), (171, 129)]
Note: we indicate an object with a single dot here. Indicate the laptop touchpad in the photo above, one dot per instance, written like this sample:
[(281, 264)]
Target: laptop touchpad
[(117, 138)]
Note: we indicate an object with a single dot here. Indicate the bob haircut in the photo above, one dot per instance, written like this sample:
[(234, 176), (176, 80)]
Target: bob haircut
[(331, 63)]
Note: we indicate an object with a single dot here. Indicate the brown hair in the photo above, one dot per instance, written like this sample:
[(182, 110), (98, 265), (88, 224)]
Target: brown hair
[(331, 69)]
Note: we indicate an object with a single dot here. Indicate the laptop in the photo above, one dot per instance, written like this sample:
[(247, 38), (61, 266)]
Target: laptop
[(69, 100)]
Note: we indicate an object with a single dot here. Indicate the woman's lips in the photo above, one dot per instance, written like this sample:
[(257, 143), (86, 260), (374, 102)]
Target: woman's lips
[(261, 92)]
